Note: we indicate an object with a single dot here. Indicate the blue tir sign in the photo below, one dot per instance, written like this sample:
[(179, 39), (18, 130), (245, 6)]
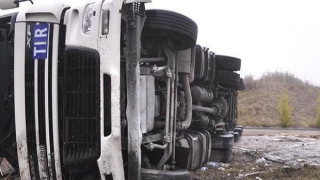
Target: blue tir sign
[(40, 41)]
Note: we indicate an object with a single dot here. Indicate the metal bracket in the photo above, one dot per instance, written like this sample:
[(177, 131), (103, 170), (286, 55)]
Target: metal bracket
[(162, 72)]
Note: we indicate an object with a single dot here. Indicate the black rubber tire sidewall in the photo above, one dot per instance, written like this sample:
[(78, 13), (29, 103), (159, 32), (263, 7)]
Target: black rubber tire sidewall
[(213, 66), (236, 136), (222, 141), (199, 63), (228, 63), (239, 130), (179, 28), (227, 79), (221, 155), (206, 77), (240, 86)]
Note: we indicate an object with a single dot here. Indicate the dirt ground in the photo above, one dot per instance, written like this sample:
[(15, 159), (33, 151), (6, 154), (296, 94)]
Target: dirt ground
[(270, 154)]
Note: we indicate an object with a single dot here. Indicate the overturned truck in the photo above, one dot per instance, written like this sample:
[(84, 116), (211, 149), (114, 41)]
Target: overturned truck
[(107, 89)]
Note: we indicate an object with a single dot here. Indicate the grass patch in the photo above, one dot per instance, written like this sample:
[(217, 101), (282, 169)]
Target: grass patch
[(248, 120)]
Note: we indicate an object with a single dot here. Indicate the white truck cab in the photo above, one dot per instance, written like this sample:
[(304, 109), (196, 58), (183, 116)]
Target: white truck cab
[(49, 33), (105, 89)]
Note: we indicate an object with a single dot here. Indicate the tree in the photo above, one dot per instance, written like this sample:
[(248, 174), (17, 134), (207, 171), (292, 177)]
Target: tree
[(285, 110)]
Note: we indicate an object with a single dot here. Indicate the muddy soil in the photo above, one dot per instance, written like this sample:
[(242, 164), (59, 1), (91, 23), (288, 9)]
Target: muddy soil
[(270, 154)]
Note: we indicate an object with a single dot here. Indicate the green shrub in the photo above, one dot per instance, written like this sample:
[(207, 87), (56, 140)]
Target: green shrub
[(318, 112), (285, 110)]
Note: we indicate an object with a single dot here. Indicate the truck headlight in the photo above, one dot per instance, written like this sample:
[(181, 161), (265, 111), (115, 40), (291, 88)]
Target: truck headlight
[(87, 18)]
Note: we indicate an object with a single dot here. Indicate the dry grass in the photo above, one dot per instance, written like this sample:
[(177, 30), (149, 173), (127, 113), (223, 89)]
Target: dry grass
[(317, 123), (257, 105)]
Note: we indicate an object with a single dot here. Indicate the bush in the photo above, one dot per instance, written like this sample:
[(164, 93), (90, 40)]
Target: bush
[(250, 82), (275, 78), (282, 77), (318, 112), (285, 110)]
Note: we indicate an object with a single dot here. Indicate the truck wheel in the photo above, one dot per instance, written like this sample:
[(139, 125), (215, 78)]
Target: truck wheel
[(228, 63), (222, 141), (179, 28), (207, 65), (221, 155), (213, 66), (240, 86), (239, 130), (199, 63), (236, 136), (240, 127), (151, 174), (228, 79)]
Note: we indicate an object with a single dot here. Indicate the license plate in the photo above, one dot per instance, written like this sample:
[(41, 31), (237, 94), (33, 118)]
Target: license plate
[(40, 40)]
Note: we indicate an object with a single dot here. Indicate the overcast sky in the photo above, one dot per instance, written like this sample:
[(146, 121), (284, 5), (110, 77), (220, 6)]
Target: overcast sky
[(267, 35)]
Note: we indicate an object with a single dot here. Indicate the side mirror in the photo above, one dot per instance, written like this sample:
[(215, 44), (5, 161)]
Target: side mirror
[(8, 4)]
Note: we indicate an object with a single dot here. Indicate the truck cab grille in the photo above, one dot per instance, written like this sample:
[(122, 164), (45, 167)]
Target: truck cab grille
[(81, 107)]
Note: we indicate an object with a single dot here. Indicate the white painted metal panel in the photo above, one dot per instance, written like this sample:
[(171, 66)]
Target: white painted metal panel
[(19, 100), (55, 125)]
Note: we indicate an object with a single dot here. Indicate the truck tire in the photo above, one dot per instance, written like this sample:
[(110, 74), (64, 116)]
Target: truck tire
[(199, 63), (221, 155), (213, 66), (240, 86), (207, 66), (239, 130), (236, 136), (228, 63), (222, 141), (151, 174), (179, 28), (227, 79)]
